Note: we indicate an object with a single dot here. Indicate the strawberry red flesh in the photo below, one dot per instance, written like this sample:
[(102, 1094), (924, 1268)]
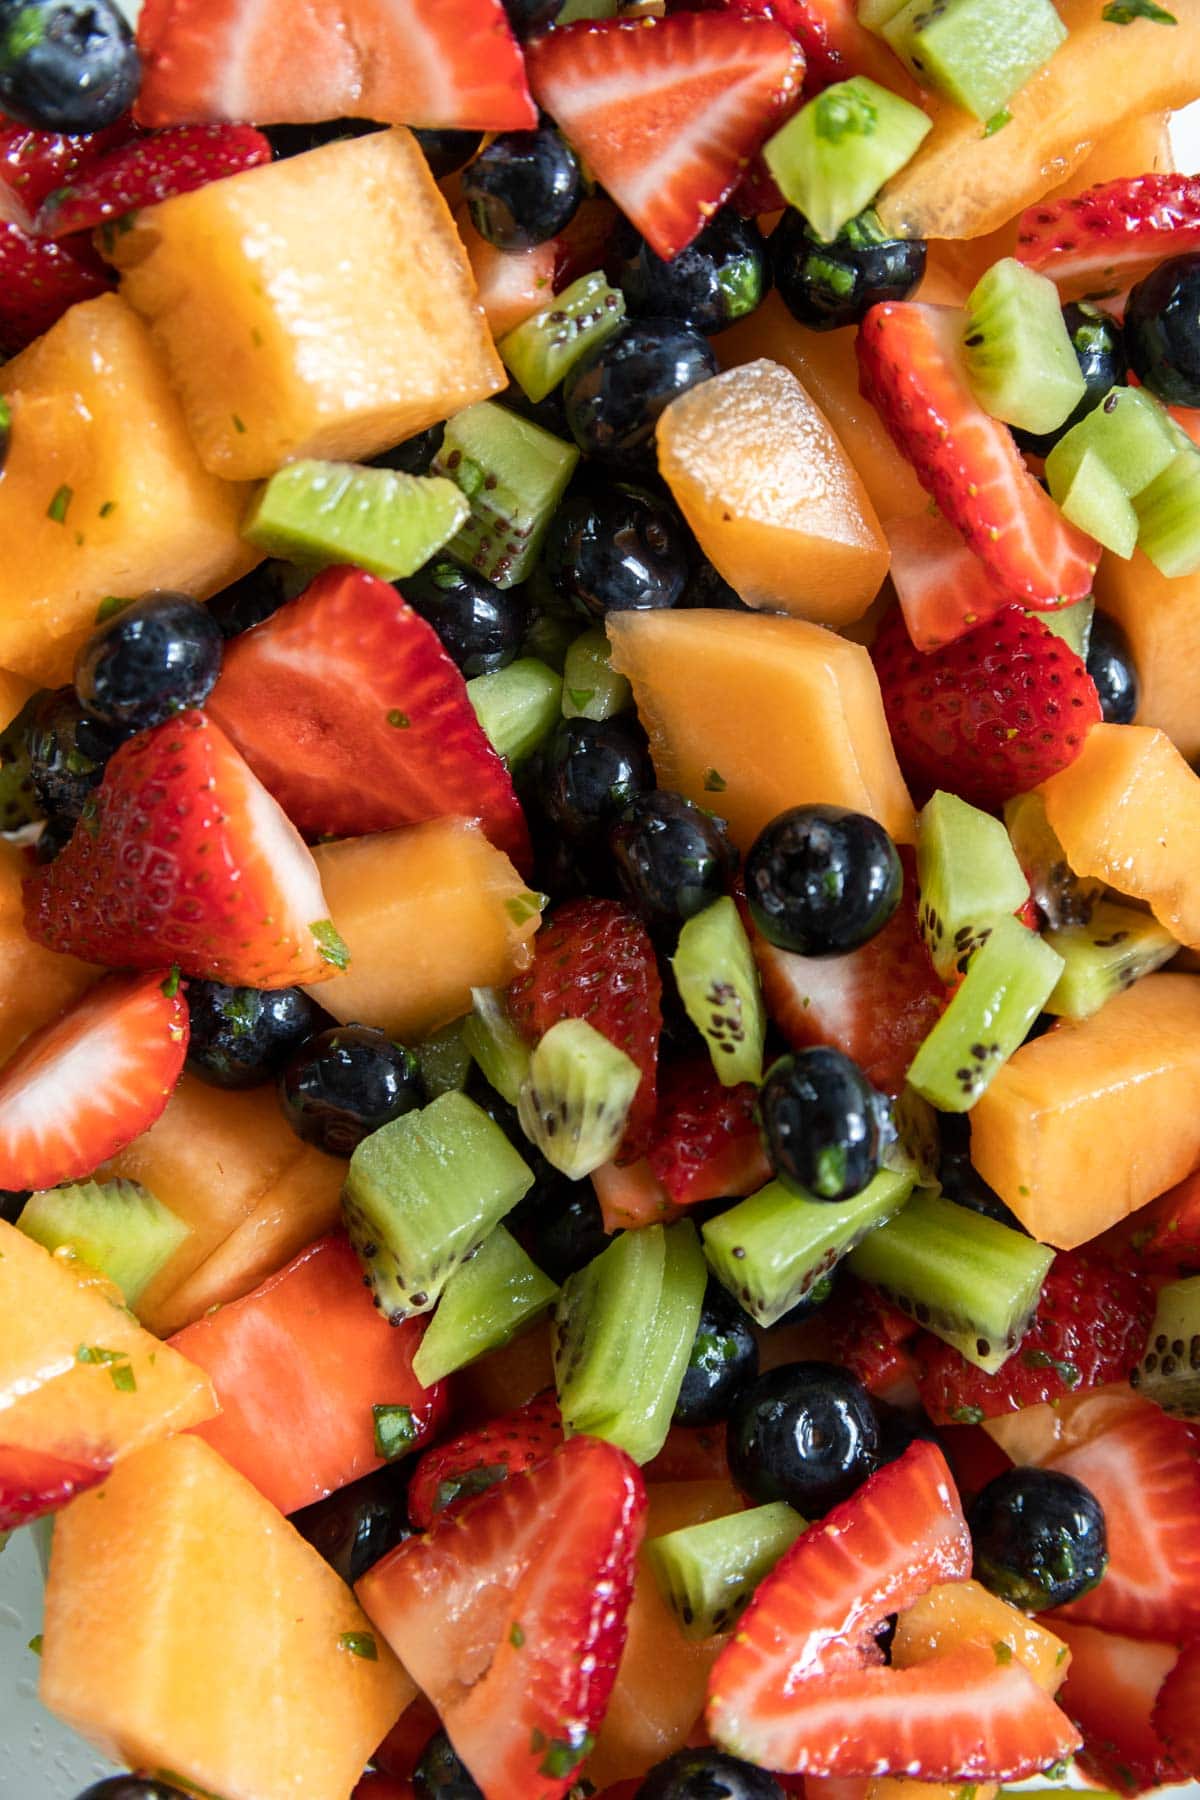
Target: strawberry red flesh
[(456, 1471), (1110, 1691), (39, 280), (871, 1338), (706, 1141), (147, 170), (32, 1482), (944, 589), (1100, 242), (1177, 1712), (34, 163)]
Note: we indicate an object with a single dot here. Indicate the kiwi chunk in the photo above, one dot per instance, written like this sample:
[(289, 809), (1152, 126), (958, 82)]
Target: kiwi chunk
[(1095, 500), (968, 877), (513, 475), (1128, 431), (1063, 898), (976, 52), (444, 1060), (496, 1044), (718, 983), (1018, 352), (575, 1099), (327, 512), (624, 1330), (1010, 978), (518, 707), (1168, 515), (484, 1304), (1116, 947), (772, 1250), (833, 156), (19, 803), (422, 1194), (1169, 1372), (707, 1573), (591, 687), (970, 1280), (875, 14), (118, 1227), (540, 351), (915, 1150)]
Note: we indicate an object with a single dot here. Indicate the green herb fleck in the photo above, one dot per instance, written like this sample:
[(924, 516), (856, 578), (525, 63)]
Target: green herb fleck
[(838, 277), (331, 945), (1061, 1658), (35, 1644), (1022, 1189), (830, 1171), (399, 719), (1003, 1651), (395, 1432), (1041, 1359), (741, 284), (89, 818), (522, 907), (842, 112), (94, 1353), (563, 1756), (238, 425), (5, 414), (256, 337), (360, 1643), (968, 1792), (714, 781), (111, 605), (26, 32), (57, 509), (1124, 12), (170, 986), (996, 123), (109, 507), (967, 1415), (516, 1636), (123, 1378), (579, 697)]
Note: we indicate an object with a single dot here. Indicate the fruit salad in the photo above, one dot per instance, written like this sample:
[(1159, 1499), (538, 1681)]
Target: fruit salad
[(600, 894)]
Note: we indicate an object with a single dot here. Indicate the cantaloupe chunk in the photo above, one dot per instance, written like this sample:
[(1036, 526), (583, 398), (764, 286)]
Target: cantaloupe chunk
[(771, 496), (749, 714), (1088, 1122), (336, 314), (428, 913), (1128, 810), (102, 491), (36, 984), (14, 692), (1161, 619), (190, 1628)]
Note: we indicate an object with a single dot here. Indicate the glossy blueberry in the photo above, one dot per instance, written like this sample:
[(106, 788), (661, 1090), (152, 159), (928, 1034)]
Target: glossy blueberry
[(242, 1036), (672, 859), (560, 1223), (822, 880), (481, 626), (818, 1295), (12, 1201), (1039, 1538), (156, 657), (1110, 665), (805, 1433), (723, 1361), (440, 1775), (721, 276), (1100, 352), (345, 1083), (68, 750), (823, 1123), (708, 589), (56, 835), (296, 140), (620, 549), (616, 392), (826, 286), (708, 1775), (358, 1524), (256, 596), (523, 188), (415, 454), (590, 771), (66, 65), (528, 17), (1162, 330), (446, 151), (961, 1180), (133, 1787)]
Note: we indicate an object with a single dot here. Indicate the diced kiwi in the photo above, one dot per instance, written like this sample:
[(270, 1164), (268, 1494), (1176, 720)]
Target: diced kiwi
[(875, 14), (1169, 1372), (444, 1060), (1128, 431), (717, 979), (483, 1305), (496, 1044), (118, 1227), (1009, 980), (381, 519), (1116, 947), (540, 350), (833, 156), (1095, 500), (915, 1150), (422, 1194), (513, 475), (707, 1573), (772, 1250), (970, 1280), (976, 52), (19, 804), (968, 877), (1062, 897), (1073, 624), (550, 633), (1018, 351), (1168, 515), (518, 707), (575, 1099), (591, 687)]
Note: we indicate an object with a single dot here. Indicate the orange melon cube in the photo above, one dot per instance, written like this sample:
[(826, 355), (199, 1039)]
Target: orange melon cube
[(428, 912), (749, 714), (337, 313), (1128, 810), (36, 984), (1089, 1122), (776, 506), (14, 692), (102, 491), (190, 1628), (1161, 619)]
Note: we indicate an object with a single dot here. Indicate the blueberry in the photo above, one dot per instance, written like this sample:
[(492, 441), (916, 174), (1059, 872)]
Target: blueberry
[(823, 1123), (672, 859), (356, 1525), (804, 1432), (66, 65), (523, 188), (1162, 330), (621, 549), (1110, 665), (1039, 1538), (12, 1201), (961, 1180), (56, 835), (723, 1361), (345, 1083), (615, 393), (415, 454), (1100, 352), (481, 626), (590, 771), (156, 657), (297, 140), (242, 1036), (448, 150), (68, 751), (560, 1224), (707, 1775), (528, 17), (818, 1295), (721, 276), (826, 286), (822, 880), (441, 1775), (253, 598), (708, 589)]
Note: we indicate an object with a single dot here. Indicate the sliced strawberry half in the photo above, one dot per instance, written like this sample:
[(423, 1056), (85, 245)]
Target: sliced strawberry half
[(34, 163), (510, 1615), (147, 170), (1110, 1692), (32, 1482), (1177, 1712), (667, 112), (835, 44), (456, 1471), (182, 856), (39, 280), (911, 369), (870, 1337), (800, 1687), (351, 714), (1172, 1228), (92, 1080), (943, 587), (1098, 243), (706, 1141), (292, 62)]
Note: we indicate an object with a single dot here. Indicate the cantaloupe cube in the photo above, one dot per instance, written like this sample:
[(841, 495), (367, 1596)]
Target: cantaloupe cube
[(428, 912), (102, 491), (748, 715), (771, 496), (1161, 619), (190, 1628), (14, 692), (321, 306), (36, 984)]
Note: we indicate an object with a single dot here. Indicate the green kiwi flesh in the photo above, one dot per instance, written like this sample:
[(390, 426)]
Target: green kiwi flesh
[(118, 1227), (968, 876), (1169, 1371), (575, 1099), (1114, 949), (513, 475), (379, 519), (707, 1573), (484, 1304), (717, 979)]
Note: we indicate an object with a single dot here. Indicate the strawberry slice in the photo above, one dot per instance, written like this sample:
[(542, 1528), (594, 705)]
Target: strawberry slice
[(834, 43), (1098, 243), (631, 1195), (400, 1751), (352, 715), (39, 280), (911, 369), (34, 163), (295, 62), (182, 856), (465, 1466), (706, 1142), (1110, 1692), (148, 170), (800, 1686), (870, 1337), (1172, 1239), (1005, 706), (510, 1615), (1177, 1712), (942, 586), (33, 1482), (92, 1080), (667, 112)]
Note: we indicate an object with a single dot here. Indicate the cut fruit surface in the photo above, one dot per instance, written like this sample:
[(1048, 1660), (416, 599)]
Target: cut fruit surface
[(513, 475), (1100, 242), (833, 156), (944, 589), (116, 1227), (1169, 1371), (964, 1612), (519, 706), (968, 876), (1160, 616), (708, 1573), (380, 519), (1019, 355), (575, 1100), (541, 350), (1116, 947), (1111, 1693), (977, 53), (719, 986), (485, 1303)]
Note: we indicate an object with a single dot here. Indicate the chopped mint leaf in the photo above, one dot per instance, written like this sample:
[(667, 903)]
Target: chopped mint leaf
[(967, 1415), (35, 1644), (360, 1643), (996, 123), (1041, 1359), (25, 33), (831, 1171), (841, 112), (5, 414), (123, 1378), (516, 1636), (395, 1433), (331, 946), (93, 1353), (741, 284), (580, 696), (399, 719), (110, 506), (111, 605), (170, 986), (523, 906), (714, 781), (1124, 12), (562, 1756), (838, 277), (238, 425), (1003, 1651), (57, 509)]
